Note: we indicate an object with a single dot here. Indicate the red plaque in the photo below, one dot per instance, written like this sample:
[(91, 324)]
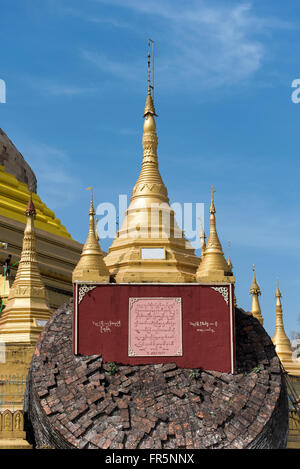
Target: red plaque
[(155, 327), (189, 324)]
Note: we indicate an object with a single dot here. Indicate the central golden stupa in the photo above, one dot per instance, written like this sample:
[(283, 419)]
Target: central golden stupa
[(150, 247)]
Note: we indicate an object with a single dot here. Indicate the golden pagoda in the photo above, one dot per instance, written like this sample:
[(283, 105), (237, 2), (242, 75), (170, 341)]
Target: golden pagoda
[(292, 367), (91, 266), (26, 311), (282, 342), (214, 267), (150, 247), (255, 292)]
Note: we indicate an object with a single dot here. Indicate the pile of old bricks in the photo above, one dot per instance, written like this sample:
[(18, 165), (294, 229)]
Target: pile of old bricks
[(81, 402)]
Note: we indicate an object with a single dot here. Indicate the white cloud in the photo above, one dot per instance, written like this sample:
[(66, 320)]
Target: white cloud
[(56, 89), (108, 65), (50, 87), (212, 45)]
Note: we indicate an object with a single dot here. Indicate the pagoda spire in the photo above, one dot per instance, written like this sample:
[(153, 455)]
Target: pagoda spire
[(26, 311), (149, 222), (255, 292), (214, 267), (150, 183), (282, 342), (91, 266)]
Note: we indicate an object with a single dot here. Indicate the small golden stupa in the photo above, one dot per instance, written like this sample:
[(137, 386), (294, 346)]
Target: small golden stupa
[(27, 310), (214, 267), (150, 247), (255, 292), (91, 266), (282, 342)]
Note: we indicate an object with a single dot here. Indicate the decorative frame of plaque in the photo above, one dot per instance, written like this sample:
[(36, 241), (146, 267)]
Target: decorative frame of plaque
[(132, 348)]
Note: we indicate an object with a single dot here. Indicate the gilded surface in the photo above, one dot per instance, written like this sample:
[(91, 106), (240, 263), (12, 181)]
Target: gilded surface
[(282, 342), (13, 198), (213, 266), (12, 434), (91, 266), (150, 223), (27, 299), (255, 292)]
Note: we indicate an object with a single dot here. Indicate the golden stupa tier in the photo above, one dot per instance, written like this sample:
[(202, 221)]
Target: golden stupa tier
[(13, 200), (282, 342), (149, 246)]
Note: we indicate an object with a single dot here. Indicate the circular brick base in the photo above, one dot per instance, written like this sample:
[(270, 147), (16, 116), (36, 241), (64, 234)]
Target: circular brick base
[(81, 402)]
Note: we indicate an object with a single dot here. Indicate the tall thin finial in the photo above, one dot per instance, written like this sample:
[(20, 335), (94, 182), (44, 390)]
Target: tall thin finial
[(149, 78), (278, 292), (212, 205), (92, 210), (149, 106), (151, 86)]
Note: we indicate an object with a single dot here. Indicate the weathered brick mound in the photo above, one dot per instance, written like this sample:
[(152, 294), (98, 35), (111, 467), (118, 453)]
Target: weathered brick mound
[(79, 403)]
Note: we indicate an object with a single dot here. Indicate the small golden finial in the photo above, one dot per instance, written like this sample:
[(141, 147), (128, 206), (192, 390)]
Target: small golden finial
[(212, 205), (254, 289), (255, 292), (278, 292), (229, 260), (30, 209), (92, 210)]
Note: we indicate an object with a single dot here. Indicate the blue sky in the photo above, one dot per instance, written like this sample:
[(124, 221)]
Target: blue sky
[(75, 73)]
